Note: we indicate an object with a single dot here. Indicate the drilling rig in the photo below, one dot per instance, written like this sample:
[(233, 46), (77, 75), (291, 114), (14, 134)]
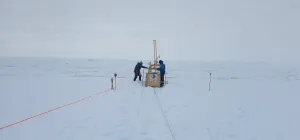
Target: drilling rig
[(153, 75)]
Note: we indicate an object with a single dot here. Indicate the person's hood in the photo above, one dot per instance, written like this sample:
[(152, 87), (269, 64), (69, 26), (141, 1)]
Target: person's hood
[(161, 62), (140, 63)]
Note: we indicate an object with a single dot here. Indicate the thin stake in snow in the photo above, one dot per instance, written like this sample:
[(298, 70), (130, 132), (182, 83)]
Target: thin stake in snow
[(112, 83), (115, 81), (143, 77), (166, 82), (209, 81)]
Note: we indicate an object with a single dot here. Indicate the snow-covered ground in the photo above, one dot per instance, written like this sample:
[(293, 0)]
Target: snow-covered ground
[(248, 101)]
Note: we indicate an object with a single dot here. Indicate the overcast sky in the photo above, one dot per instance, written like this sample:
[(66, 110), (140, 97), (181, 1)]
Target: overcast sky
[(236, 30)]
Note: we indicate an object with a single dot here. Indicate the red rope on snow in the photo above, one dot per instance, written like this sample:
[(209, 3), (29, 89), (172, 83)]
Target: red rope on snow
[(29, 118)]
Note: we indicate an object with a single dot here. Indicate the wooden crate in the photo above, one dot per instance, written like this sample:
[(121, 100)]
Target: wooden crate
[(153, 79)]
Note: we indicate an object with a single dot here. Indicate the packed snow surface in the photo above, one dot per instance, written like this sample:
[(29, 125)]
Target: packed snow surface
[(247, 101)]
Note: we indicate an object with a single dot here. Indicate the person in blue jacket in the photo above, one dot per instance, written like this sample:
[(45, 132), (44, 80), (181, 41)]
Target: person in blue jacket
[(162, 69)]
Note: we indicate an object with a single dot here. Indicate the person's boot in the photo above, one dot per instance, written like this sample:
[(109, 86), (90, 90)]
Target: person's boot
[(161, 83)]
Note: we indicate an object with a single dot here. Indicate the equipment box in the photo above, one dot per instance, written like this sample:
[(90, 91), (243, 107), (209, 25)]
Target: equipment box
[(153, 79)]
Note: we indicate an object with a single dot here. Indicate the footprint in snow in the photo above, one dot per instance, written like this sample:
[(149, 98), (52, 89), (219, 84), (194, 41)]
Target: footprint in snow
[(124, 110), (125, 138), (119, 125), (231, 136), (241, 113), (107, 134), (144, 133)]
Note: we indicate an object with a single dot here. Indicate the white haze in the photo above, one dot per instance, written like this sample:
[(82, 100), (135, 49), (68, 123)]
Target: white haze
[(232, 30)]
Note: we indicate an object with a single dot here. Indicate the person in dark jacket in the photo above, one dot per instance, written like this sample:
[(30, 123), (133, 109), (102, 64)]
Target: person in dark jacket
[(162, 69), (137, 70)]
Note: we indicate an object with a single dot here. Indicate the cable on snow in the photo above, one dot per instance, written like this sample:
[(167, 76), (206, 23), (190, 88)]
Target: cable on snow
[(162, 111)]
